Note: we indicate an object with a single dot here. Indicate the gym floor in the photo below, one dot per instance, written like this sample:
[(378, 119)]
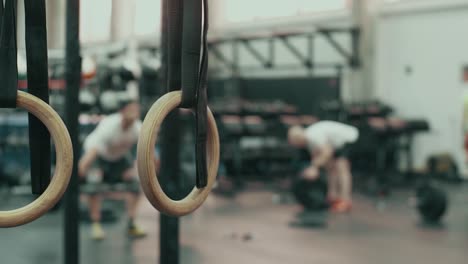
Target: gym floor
[(251, 228)]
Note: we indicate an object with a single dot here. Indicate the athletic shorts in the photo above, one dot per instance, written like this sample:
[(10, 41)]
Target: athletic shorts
[(112, 171), (342, 152)]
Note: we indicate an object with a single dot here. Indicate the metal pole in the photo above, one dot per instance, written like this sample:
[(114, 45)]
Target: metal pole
[(73, 80), (170, 140)]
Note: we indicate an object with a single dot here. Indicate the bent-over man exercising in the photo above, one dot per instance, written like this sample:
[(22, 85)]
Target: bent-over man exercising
[(328, 143), (110, 145)]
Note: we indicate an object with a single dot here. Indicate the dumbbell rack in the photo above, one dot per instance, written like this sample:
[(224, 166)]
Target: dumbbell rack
[(255, 141)]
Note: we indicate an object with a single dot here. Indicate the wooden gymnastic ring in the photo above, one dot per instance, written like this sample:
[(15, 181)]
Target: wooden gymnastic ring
[(145, 160), (63, 169)]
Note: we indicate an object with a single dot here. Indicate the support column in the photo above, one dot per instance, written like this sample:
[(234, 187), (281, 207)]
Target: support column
[(122, 19), (362, 78)]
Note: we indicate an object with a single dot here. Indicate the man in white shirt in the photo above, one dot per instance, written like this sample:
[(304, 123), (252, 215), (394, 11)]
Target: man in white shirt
[(328, 143), (110, 144)]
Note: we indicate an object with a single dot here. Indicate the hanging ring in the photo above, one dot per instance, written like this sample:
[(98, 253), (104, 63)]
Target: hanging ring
[(146, 167), (63, 169)]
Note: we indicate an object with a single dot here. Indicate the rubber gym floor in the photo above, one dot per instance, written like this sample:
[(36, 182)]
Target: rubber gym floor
[(252, 228)]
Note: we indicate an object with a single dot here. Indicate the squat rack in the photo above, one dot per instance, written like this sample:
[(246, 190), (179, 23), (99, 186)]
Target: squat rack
[(226, 50)]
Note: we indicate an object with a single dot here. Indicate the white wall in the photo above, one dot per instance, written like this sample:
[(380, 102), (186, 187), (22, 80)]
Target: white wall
[(433, 44), (242, 11), (95, 21)]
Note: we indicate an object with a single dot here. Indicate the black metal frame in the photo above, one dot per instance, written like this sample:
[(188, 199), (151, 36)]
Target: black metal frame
[(306, 58), (73, 81)]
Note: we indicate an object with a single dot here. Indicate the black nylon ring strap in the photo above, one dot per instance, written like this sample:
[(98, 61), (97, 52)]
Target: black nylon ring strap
[(8, 55), (174, 44), (193, 95), (164, 45), (191, 45), (184, 38), (1, 17), (201, 108), (36, 54)]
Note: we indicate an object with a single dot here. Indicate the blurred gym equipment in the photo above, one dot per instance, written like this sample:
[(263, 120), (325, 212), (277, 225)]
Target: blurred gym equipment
[(146, 167), (42, 116), (59, 182), (193, 95), (432, 202), (312, 195)]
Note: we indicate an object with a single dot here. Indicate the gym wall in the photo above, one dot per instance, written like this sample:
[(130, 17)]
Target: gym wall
[(233, 16), (419, 60)]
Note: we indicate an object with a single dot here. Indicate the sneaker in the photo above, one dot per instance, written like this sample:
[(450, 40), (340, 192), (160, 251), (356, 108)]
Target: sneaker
[(341, 206), (97, 233), (136, 232)]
